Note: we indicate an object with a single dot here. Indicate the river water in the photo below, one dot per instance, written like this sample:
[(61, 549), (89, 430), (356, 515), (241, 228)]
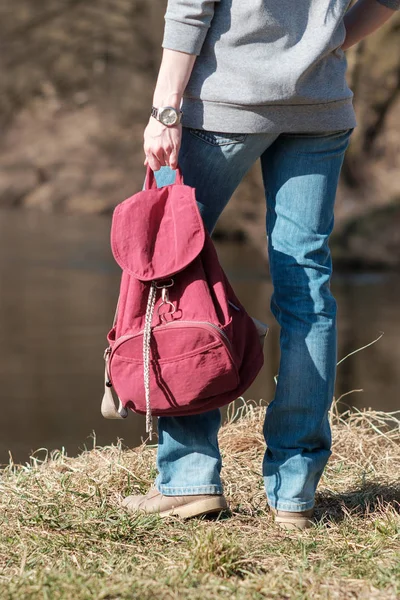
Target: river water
[(59, 286)]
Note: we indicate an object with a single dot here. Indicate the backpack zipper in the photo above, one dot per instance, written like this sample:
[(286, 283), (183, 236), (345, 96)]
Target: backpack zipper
[(122, 338), (218, 329)]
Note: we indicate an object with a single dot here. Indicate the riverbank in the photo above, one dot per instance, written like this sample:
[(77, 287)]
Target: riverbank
[(63, 535)]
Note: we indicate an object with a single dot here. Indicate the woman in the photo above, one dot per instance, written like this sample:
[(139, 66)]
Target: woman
[(262, 80)]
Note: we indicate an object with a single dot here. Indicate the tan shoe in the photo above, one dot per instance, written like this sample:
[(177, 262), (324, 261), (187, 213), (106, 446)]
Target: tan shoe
[(294, 520), (181, 506)]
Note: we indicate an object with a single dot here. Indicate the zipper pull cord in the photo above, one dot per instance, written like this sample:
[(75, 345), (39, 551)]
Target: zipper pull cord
[(151, 301)]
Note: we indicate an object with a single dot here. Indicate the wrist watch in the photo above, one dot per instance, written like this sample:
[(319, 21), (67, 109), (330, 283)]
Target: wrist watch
[(168, 115)]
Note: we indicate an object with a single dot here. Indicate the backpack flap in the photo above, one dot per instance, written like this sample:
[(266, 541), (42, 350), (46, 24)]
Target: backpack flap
[(158, 231)]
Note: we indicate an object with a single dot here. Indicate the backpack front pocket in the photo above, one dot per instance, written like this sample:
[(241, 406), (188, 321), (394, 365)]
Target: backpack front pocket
[(197, 364)]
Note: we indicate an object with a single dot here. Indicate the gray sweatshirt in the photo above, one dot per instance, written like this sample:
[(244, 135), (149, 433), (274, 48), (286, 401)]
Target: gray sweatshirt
[(263, 65)]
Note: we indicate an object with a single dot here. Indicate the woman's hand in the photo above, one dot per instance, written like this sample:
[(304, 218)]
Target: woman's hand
[(162, 144), (362, 19)]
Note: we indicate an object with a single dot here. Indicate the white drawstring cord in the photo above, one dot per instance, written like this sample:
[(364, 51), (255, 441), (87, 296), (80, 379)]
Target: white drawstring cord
[(146, 354)]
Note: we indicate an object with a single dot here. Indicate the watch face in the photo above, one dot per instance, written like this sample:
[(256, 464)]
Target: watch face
[(168, 116)]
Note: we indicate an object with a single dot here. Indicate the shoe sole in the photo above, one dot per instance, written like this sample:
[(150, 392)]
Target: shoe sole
[(197, 508), (289, 524)]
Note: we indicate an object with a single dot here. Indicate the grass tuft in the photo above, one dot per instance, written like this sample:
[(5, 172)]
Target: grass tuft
[(64, 536)]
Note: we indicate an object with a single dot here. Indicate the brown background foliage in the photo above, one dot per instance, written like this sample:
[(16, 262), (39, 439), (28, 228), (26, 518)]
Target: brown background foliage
[(76, 86)]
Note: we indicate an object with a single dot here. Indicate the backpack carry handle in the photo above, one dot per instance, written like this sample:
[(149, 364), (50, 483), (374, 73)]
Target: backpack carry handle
[(150, 182)]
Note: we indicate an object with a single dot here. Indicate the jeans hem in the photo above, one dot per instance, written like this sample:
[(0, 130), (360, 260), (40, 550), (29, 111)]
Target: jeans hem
[(291, 506), (189, 491)]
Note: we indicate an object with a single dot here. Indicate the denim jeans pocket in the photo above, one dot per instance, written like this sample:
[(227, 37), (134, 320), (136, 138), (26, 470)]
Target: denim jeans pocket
[(218, 138)]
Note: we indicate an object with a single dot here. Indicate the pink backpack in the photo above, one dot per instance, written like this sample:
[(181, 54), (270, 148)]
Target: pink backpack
[(181, 342)]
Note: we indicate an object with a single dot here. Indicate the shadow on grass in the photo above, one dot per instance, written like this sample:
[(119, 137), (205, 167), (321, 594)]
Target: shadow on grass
[(222, 516), (373, 497)]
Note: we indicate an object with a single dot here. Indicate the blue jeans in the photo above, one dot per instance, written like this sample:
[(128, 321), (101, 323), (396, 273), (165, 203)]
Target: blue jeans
[(300, 174)]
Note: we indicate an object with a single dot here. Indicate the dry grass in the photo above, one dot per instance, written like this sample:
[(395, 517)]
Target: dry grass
[(64, 537)]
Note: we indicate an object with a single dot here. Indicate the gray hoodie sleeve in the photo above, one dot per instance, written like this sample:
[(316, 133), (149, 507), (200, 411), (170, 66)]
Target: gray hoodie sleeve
[(393, 4), (187, 23)]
